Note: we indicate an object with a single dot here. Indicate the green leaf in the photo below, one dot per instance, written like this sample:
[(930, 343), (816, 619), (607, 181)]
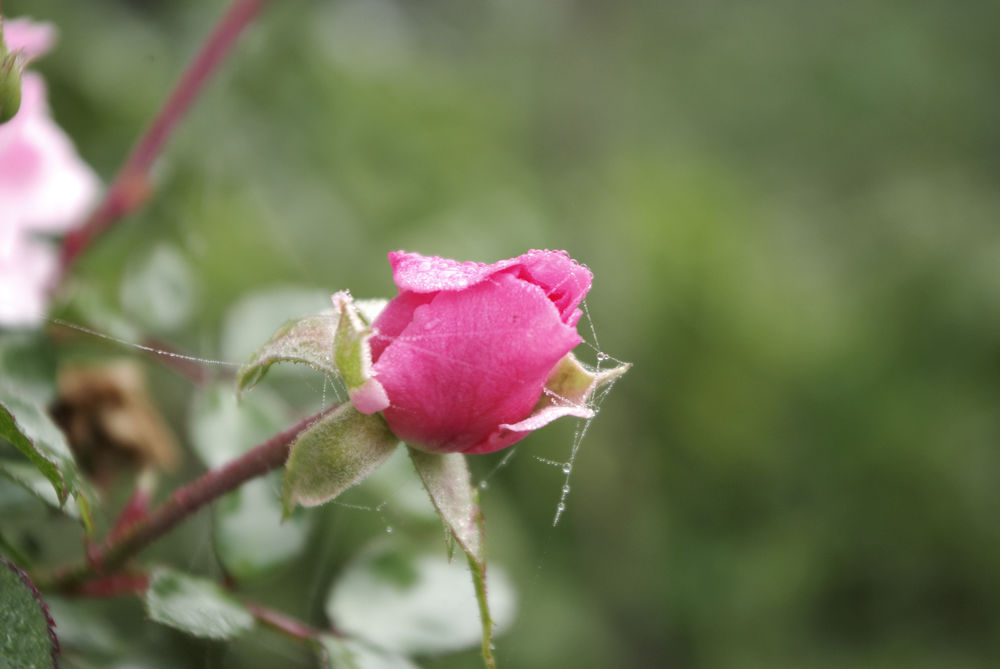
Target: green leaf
[(395, 483), (195, 605), (223, 427), (10, 549), (27, 640), (31, 479), (83, 632), (91, 306), (250, 538), (158, 289), (412, 603), (333, 454), (25, 424), (27, 364), (308, 340), (446, 478), (343, 653)]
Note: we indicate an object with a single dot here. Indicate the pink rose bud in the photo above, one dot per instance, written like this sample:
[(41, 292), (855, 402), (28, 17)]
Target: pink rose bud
[(465, 349)]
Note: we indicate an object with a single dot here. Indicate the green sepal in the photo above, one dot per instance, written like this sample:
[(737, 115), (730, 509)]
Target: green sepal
[(447, 480), (308, 340), (353, 357), (333, 342), (568, 391), (336, 452), (10, 84)]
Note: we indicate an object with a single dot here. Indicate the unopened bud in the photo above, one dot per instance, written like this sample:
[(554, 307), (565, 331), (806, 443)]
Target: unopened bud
[(10, 82)]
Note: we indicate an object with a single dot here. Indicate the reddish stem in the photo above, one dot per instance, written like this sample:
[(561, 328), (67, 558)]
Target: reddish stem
[(131, 185), (284, 623), (116, 550), (115, 585), (136, 508)]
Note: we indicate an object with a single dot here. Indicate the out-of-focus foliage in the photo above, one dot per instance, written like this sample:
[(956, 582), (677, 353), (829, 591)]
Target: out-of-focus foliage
[(27, 637), (791, 211)]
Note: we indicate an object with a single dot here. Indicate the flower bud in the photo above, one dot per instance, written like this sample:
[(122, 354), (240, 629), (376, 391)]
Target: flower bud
[(464, 351), (10, 83)]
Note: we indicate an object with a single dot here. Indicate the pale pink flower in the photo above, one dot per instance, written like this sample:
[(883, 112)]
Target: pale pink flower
[(27, 269), (45, 188), (464, 351), (44, 185), (30, 38)]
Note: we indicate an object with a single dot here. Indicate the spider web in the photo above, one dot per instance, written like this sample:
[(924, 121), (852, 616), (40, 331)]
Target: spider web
[(591, 342), (330, 390)]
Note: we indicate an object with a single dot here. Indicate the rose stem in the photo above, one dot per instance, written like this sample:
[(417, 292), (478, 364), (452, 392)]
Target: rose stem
[(184, 502), (286, 624), (130, 186)]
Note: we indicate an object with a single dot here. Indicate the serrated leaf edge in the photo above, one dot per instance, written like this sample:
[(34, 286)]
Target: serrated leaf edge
[(50, 623)]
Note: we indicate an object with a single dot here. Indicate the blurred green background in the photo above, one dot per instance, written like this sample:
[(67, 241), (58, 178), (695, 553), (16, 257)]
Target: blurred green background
[(792, 213)]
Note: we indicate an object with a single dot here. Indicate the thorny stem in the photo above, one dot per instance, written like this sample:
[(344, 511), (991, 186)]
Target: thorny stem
[(130, 187), (116, 550)]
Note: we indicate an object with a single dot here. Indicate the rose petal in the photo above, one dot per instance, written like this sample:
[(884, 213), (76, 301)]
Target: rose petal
[(29, 37), (44, 185), (564, 280), (393, 320), (428, 274), (27, 271), (508, 434), (470, 361)]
